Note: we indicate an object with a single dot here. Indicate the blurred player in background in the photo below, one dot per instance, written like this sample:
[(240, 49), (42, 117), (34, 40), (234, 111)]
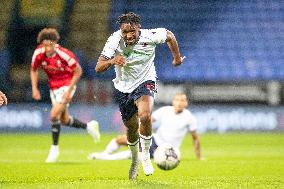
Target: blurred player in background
[(3, 99), (172, 122), (63, 71), (132, 51)]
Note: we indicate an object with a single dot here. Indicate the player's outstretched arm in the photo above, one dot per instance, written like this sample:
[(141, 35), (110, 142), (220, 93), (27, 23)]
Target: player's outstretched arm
[(34, 80), (3, 99), (196, 143), (173, 45), (103, 64)]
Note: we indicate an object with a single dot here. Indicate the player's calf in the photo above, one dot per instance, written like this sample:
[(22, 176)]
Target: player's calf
[(92, 127), (134, 167)]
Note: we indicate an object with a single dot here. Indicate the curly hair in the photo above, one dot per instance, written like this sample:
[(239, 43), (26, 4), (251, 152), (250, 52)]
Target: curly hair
[(48, 34), (130, 18)]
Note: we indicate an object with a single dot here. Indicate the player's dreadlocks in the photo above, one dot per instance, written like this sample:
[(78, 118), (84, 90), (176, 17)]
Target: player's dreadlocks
[(48, 34), (130, 17)]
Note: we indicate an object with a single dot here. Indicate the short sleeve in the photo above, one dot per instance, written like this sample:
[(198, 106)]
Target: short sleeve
[(159, 35), (73, 61), (36, 59), (68, 56), (111, 45)]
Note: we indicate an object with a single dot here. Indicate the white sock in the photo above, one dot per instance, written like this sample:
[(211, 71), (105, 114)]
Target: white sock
[(145, 142), (111, 147), (134, 148)]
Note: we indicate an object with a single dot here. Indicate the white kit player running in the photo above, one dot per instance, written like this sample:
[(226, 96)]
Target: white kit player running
[(172, 124), (132, 51)]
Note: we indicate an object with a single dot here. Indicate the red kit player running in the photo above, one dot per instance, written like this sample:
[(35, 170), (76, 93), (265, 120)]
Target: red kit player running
[(63, 71)]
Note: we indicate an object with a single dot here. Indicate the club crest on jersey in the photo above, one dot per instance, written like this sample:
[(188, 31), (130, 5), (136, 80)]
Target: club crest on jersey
[(44, 63)]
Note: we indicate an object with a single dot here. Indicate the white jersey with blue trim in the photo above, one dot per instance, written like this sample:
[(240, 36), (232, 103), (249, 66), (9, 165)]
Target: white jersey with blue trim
[(171, 126), (139, 58)]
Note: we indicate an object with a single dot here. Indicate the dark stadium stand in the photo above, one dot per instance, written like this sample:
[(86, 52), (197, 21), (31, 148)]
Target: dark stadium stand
[(223, 41)]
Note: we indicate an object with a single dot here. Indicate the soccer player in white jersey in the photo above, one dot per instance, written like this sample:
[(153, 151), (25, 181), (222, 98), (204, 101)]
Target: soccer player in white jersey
[(132, 51), (3, 98), (172, 123)]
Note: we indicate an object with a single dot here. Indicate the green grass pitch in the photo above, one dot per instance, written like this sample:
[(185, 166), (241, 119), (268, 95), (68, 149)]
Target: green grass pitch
[(234, 160)]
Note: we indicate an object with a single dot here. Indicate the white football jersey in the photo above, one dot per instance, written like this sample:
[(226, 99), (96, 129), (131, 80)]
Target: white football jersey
[(172, 127), (139, 58)]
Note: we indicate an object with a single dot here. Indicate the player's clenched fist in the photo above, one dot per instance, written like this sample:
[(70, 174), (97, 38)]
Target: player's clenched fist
[(118, 60), (3, 99), (178, 61), (36, 94)]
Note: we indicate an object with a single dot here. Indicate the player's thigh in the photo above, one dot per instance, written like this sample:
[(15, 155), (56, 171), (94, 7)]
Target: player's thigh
[(56, 110), (133, 123), (64, 117), (143, 97), (145, 105)]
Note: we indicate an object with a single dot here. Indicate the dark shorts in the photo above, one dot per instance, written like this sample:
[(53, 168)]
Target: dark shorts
[(126, 101)]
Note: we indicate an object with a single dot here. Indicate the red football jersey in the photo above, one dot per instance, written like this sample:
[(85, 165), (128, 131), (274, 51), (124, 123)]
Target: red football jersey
[(59, 68)]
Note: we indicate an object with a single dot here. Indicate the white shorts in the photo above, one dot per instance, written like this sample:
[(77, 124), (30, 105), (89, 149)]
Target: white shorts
[(56, 95)]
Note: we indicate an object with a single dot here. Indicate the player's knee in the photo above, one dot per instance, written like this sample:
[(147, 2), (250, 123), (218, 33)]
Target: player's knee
[(132, 125), (53, 118), (65, 121), (145, 118)]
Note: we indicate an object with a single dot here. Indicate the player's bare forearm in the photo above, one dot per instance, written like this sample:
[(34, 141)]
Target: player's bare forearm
[(76, 77), (103, 64), (173, 45), (196, 143), (197, 149), (34, 79)]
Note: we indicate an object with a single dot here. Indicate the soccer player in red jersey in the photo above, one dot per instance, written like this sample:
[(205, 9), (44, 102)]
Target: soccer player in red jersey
[(63, 71)]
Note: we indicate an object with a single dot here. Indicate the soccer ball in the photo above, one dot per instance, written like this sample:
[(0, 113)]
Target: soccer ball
[(167, 157)]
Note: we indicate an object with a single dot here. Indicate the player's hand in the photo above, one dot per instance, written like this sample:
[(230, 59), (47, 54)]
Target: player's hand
[(3, 99), (119, 60), (67, 97), (178, 60), (36, 94)]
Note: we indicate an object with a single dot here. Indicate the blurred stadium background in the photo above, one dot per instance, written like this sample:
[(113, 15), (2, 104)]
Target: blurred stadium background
[(233, 74)]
